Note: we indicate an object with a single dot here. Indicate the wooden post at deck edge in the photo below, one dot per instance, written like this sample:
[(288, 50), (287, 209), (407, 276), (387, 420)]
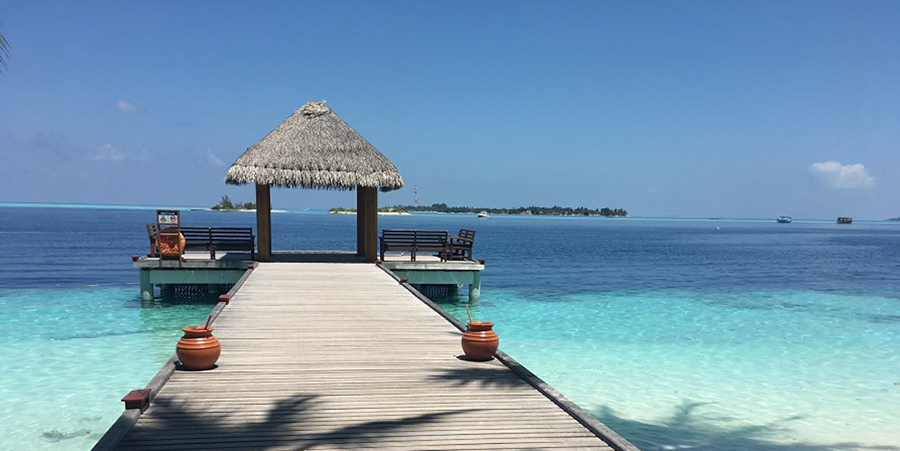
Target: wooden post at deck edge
[(264, 222)]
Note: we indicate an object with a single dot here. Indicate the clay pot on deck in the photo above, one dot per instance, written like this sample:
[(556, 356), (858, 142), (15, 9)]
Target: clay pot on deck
[(198, 349), (480, 342)]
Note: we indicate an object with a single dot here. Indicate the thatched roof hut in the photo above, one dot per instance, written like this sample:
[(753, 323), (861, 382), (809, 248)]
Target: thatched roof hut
[(314, 148)]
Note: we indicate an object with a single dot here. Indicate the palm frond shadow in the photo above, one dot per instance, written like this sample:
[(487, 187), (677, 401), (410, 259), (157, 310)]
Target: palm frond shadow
[(185, 425), (689, 429), (480, 375)]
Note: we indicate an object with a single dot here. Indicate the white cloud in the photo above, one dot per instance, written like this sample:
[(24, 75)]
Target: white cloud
[(212, 160), (109, 152), (126, 106), (842, 176)]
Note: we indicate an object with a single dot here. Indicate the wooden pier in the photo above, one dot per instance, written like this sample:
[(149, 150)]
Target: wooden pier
[(342, 356)]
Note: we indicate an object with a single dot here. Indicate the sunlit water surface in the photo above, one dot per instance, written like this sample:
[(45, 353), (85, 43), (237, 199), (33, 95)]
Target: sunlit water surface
[(699, 335)]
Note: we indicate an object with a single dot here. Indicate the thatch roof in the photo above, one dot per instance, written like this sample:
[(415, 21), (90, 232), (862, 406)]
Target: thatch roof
[(314, 148)]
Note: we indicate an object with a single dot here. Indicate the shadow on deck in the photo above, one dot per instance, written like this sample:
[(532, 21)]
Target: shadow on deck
[(316, 257), (186, 427), (688, 429)]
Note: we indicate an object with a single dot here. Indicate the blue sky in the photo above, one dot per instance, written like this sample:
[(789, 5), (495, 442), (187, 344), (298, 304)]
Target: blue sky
[(693, 108)]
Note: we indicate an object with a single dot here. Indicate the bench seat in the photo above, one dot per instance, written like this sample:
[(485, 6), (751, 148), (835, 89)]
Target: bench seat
[(414, 241)]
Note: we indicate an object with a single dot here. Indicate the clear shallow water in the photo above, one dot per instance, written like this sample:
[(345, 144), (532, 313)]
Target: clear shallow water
[(71, 354), (74, 335), (716, 370), (752, 336), (700, 335)]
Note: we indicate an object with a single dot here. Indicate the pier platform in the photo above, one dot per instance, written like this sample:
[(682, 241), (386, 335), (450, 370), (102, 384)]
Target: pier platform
[(200, 269), (430, 270), (342, 356), (192, 269)]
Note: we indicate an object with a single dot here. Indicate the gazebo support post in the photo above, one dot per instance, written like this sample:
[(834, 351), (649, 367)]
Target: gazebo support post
[(263, 223), (360, 223), (367, 223)]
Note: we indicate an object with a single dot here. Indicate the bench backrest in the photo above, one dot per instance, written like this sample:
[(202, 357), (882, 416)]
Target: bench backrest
[(217, 234), (466, 233), (414, 237), (194, 235)]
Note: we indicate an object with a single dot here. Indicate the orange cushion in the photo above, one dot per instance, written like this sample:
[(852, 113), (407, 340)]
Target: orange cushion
[(169, 243)]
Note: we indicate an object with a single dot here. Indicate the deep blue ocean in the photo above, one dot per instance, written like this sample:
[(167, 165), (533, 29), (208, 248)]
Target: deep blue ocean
[(679, 334)]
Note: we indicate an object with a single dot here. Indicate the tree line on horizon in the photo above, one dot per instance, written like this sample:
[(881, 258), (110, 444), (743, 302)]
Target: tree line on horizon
[(532, 210), (227, 204)]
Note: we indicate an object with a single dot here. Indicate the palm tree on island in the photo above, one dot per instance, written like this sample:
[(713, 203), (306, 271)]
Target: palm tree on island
[(227, 205)]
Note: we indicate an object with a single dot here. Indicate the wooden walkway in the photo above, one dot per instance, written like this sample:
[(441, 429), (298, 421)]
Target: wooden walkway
[(340, 356)]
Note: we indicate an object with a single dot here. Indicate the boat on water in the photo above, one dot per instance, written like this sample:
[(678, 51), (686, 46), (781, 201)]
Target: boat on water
[(784, 219), (844, 220), (483, 214)]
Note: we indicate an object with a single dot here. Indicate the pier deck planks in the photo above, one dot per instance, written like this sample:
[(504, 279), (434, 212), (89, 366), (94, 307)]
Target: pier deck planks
[(340, 356)]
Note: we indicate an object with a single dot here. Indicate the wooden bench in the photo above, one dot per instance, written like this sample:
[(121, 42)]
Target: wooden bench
[(210, 239), (460, 246), (414, 241)]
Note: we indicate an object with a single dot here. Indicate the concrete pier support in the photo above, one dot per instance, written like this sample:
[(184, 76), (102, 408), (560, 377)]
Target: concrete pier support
[(146, 286), (475, 287)]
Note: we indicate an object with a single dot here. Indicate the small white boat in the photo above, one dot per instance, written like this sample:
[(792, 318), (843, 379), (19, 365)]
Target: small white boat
[(483, 214), (784, 219)]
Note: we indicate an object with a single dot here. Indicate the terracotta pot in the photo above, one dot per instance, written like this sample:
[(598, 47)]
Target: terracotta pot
[(480, 342), (198, 349)]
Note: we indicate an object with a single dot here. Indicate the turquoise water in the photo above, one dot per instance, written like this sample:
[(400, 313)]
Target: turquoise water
[(71, 354), (680, 334), (706, 335), (716, 370)]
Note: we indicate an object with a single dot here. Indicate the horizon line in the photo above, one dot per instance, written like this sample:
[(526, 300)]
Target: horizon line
[(202, 208)]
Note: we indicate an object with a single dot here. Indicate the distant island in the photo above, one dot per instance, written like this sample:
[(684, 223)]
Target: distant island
[(381, 211), (227, 205), (533, 210)]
